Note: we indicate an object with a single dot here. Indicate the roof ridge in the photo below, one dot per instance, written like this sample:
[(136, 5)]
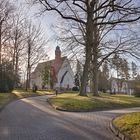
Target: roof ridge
[(52, 60)]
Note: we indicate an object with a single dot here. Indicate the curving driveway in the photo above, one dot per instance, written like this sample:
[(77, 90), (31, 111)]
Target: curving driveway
[(33, 119)]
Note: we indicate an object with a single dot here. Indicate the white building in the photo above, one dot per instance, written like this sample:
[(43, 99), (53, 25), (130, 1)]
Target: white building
[(121, 86), (61, 73)]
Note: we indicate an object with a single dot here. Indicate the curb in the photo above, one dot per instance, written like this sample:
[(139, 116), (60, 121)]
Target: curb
[(58, 108), (66, 110), (117, 132), (80, 111)]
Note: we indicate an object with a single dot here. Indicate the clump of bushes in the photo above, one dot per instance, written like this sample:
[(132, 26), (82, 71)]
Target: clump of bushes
[(137, 91), (135, 85), (6, 84), (75, 89), (6, 77)]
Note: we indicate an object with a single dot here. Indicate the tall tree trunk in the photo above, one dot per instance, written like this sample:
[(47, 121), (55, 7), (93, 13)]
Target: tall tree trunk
[(95, 53), (16, 70), (89, 44), (95, 82), (95, 68), (15, 59), (27, 80), (85, 77), (28, 65), (94, 72), (0, 42)]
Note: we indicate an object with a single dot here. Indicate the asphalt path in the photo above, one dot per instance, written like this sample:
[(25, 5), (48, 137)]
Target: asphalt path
[(34, 119)]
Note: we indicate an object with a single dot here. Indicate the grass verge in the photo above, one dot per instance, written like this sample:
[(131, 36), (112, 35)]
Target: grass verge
[(74, 102), (19, 94), (129, 124)]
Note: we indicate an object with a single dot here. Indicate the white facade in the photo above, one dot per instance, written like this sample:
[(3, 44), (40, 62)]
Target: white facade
[(65, 76), (36, 79), (114, 86), (120, 87)]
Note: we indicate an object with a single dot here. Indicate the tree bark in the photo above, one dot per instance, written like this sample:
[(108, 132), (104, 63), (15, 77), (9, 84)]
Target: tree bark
[(95, 55), (89, 44), (85, 77), (95, 82), (95, 70), (28, 66), (16, 70), (0, 41)]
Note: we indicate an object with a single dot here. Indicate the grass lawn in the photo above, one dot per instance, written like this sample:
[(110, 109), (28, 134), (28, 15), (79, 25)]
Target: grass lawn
[(5, 98), (18, 94), (129, 124), (73, 102)]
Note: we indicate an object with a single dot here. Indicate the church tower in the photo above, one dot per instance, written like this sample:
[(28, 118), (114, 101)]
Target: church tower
[(57, 53)]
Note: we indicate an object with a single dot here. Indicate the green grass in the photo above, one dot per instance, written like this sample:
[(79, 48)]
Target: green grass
[(19, 94), (129, 124), (74, 102), (5, 98)]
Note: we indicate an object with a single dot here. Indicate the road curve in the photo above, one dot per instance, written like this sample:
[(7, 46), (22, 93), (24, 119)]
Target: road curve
[(33, 119)]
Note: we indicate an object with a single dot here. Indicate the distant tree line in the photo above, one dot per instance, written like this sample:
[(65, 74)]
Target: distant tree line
[(116, 67)]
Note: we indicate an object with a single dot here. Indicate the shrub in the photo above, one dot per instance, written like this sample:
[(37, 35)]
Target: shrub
[(75, 89), (137, 92), (6, 77)]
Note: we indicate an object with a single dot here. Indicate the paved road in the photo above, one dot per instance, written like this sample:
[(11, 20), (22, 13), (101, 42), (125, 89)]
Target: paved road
[(33, 119)]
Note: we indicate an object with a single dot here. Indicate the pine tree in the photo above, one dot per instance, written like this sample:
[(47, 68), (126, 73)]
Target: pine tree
[(125, 69), (116, 64), (77, 77), (134, 70), (121, 66), (6, 76), (105, 70), (77, 80), (103, 77), (46, 76)]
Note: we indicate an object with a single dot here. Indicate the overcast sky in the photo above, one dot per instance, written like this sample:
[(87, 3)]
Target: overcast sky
[(47, 22)]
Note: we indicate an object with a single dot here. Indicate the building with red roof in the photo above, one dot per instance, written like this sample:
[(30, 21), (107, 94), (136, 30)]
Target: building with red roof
[(60, 74)]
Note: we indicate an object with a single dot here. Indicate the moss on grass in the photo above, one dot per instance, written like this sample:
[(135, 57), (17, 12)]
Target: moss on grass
[(129, 124)]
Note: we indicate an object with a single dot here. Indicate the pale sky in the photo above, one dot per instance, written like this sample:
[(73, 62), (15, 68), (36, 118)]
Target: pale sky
[(47, 21)]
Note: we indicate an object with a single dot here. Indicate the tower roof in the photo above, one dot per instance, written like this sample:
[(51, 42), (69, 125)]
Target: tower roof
[(57, 53), (57, 48)]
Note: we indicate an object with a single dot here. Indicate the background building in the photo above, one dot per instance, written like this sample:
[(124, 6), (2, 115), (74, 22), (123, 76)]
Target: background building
[(56, 73)]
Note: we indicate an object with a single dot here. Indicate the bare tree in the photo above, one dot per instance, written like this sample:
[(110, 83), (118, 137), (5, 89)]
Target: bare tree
[(35, 48), (5, 10), (134, 69), (94, 16), (17, 42)]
